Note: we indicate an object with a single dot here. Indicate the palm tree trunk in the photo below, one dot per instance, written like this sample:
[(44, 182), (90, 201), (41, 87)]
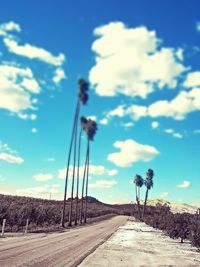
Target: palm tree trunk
[(68, 163), (74, 172), (77, 185), (145, 203), (86, 195), (83, 186), (138, 202)]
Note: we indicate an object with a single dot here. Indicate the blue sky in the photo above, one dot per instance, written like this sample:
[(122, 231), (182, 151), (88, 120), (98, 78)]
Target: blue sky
[(142, 61)]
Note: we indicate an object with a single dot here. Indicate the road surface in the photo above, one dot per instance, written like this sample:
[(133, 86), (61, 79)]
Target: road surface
[(136, 244), (68, 248)]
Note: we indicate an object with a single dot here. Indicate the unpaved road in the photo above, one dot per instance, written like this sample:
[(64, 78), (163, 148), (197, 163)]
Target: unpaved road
[(136, 244), (58, 249)]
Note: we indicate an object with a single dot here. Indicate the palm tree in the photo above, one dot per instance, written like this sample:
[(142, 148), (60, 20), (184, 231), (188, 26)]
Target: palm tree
[(91, 130), (149, 184), (82, 99), (83, 123), (138, 180)]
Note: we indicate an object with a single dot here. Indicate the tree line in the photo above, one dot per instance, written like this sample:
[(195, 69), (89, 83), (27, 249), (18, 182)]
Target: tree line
[(175, 225), (45, 214)]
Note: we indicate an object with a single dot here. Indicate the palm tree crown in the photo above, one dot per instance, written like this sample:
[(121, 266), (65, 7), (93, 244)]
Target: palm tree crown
[(138, 180), (83, 91), (91, 129)]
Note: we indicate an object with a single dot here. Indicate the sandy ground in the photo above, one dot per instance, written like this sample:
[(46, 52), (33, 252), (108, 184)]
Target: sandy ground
[(68, 248), (136, 244)]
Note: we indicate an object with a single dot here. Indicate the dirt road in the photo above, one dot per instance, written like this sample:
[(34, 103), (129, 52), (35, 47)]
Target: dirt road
[(136, 244), (58, 249)]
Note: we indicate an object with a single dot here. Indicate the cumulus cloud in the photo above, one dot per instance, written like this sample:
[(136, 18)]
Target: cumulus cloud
[(92, 117), (59, 75), (8, 27), (101, 184), (11, 158), (17, 85), (173, 133), (39, 192), (178, 108), (184, 184), (33, 52), (154, 124), (164, 194), (131, 152), (9, 155), (192, 79), (19, 88), (104, 121), (34, 130), (96, 170), (131, 61), (127, 124), (42, 177)]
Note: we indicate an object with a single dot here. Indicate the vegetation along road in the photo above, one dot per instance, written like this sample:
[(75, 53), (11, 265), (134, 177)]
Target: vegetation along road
[(67, 248)]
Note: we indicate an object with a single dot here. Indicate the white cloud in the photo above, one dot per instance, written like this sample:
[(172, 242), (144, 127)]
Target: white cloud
[(131, 152), (92, 117), (177, 135), (154, 124), (184, 184), (34, 130), (104, 121), (169, 131), (34, 52), (17, 85), (50, 159), (24, 116), (173, 133), (198, 26), (127, 124), (96, 170), (39, 192), (112, 172), (192, 79), (164, 194), (131, 61), (9, 155), (5, 28), (101, 184), (59, 75), (11, 158), (178, 108), (42, 177)]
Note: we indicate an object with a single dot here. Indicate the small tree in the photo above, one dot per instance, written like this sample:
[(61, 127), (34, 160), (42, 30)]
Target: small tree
[(148, 182), (138, 181)]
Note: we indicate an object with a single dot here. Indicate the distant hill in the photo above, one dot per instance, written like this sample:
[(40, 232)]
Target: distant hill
[(175, 207)]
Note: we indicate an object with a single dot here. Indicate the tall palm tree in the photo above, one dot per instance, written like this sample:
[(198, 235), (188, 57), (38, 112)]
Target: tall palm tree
[(149, 184), (91, 130), (83, 87), (138, 181), (83, 123)]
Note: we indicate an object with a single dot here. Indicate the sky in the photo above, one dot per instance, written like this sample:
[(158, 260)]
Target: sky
[(141, 59)]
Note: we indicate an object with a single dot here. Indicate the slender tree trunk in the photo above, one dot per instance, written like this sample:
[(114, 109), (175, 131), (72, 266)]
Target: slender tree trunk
[(74, 173), (83, 186), (68, 163), (138, 202), (87, 177), (145, 203), (77, 184)]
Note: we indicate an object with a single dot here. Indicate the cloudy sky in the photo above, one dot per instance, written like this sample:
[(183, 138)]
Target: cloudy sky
[(142, 61)]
